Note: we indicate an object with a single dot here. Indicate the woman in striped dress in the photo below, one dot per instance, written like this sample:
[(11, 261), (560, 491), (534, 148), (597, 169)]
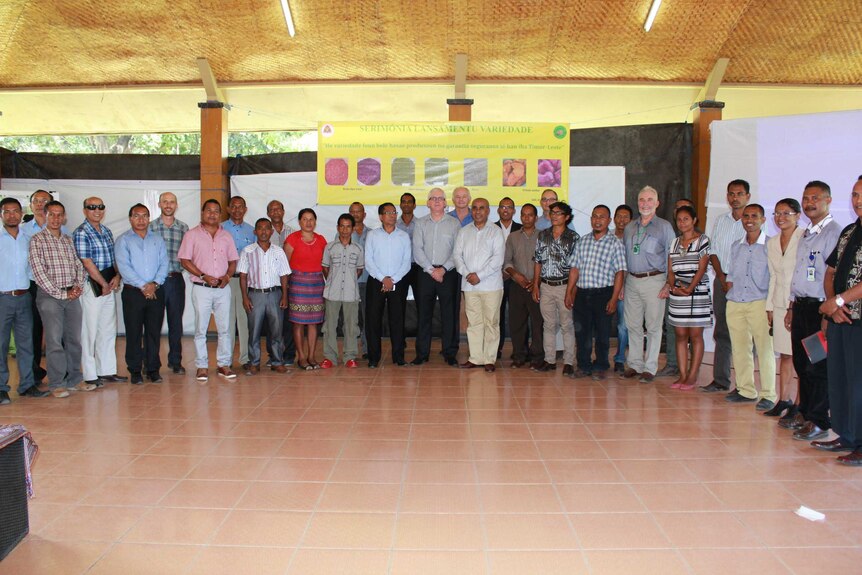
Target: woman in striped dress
[(304, 250), (688, 289)]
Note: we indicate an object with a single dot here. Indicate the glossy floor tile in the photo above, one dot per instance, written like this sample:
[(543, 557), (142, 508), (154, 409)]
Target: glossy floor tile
[(425, 470)]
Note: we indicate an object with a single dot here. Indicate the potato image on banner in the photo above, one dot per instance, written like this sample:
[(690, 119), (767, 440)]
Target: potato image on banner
[(368, 171), (549, 173), (336, 171), (403, 171), (514, 172), (436, 171)]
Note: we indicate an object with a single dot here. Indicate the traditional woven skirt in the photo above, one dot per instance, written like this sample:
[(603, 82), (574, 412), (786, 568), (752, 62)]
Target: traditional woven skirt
[(305, 297)]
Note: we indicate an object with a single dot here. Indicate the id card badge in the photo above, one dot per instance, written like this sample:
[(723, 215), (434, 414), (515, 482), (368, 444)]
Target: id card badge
[(636, 249), (811, 274)]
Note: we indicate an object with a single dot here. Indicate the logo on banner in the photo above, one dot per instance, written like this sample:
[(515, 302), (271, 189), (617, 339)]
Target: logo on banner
[(327, 130)]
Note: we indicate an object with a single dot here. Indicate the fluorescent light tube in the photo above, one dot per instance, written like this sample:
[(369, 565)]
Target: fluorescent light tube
[(647, 25)]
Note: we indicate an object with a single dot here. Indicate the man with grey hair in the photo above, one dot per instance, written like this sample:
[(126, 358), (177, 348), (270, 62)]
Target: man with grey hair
[(461, 200), (647, 240)]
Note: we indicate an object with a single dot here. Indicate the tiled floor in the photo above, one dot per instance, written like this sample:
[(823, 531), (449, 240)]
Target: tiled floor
[(425, 470)]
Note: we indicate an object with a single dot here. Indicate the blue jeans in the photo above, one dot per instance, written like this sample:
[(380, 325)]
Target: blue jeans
[(622, 334), (175, 305)]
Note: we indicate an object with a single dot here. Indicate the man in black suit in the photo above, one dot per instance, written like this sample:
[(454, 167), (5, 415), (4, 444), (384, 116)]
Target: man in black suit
[(506, 210)]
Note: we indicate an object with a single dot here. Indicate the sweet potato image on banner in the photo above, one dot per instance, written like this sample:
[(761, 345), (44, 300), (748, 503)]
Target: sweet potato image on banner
[(514, 172)]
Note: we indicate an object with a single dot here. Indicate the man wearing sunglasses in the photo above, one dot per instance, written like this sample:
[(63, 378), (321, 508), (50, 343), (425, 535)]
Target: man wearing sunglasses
[(94, 243)]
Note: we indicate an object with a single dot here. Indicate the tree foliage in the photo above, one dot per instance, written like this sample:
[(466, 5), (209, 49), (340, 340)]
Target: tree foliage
[(239, 143)]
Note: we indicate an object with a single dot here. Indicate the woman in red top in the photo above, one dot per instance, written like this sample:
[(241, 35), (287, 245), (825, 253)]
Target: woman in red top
[(304, 251)]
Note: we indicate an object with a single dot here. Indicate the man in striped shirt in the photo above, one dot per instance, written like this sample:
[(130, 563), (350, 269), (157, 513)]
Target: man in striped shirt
[(263, 271)]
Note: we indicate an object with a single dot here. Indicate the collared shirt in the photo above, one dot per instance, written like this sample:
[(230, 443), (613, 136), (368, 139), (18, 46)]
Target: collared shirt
[(506, 231), (543, 223), (242, 234), (210, 254), (342, 283), (142, 260), (653, 241), (387, 255), (480, 252), (846, 259), (16, 260), (465, 221), (598, 261), (173, 237), (433, 242), (815, 245), (555, 254), (360, 239), (520, 249), (55, 264), (95, 245), (32, 228), (749, 271), (277, 238), (725, 232), (406, 227), (263, 268)]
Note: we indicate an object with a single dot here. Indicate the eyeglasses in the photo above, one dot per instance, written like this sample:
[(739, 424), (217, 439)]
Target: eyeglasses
[(508, 208), (557, 213), (785, 214), (92, 207), (437, 199)]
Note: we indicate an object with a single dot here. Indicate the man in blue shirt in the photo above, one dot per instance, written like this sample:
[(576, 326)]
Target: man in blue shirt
[(143, 262), (747, 282), (15, 305), (243, 235)]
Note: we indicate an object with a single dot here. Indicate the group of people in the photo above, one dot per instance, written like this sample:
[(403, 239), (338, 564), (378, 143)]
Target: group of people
[(533, 279)]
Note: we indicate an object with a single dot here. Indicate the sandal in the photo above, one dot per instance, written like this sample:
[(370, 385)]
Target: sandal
[(306, 367)]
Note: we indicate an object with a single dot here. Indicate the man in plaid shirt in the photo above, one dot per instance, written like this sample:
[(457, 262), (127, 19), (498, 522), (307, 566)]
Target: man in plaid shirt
[(59, 275), (94, 243)]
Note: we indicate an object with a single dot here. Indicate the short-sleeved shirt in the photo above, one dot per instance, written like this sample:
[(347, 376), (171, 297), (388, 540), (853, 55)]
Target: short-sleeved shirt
[(846, 259), (211, 254), (651, 242), (263, 268), (555, 254), (815, 245), (598, 261), (749, 271), (306, 257), (725, 232), (242, 234), (173, 237), (342, 261), (277, 238), (520, 250), (96, 245)]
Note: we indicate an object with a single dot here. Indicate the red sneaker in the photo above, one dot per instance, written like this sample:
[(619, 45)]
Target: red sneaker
[(351, 363), (326, 364)]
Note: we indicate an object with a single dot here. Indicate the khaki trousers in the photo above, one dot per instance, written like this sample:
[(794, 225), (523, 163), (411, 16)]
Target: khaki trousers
[(483, 325), (643, 306), (555, 314), (747, 324)]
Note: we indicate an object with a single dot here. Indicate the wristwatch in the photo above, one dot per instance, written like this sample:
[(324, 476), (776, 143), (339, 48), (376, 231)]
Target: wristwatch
[(839, 301)]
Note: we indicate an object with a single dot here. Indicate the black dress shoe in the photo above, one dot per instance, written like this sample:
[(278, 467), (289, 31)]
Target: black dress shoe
[(136, 378), (568, 369), (155, 377), (713, 387), (779, 408), (34, 391), (854, 459), (468, 365), (835, 446), (400, 363), (113, 378), (372, 365), (178, 369), (794, 421), (489, 367), (810, 432), (419, 361), (451, 361), (546, 367), (98, 382), (4, 398), (736, 397)]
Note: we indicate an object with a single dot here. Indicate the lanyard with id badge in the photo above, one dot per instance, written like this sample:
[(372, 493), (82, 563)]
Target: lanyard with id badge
[(636, 248), (811, 274)]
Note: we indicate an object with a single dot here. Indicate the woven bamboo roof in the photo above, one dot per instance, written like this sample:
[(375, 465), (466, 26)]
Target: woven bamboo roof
[(55, 43)]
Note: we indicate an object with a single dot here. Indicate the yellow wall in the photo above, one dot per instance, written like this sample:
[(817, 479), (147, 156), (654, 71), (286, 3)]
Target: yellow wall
[(293, 107)]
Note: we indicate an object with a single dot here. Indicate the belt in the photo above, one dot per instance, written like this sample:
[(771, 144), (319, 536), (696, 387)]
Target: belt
[(555, 282), (809, 300), (265, 290), (646, 274), (175, 274), (15, 292), (235, 275), (67, 288), (205, 285), (595, 290)]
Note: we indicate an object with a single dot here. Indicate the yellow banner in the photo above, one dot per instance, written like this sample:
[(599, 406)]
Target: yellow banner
[(376, 162)]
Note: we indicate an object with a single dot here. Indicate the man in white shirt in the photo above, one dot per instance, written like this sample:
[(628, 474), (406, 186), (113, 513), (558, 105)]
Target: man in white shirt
[(479, 253)]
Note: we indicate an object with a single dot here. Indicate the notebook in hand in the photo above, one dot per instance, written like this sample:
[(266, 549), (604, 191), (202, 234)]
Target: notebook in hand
[(815, 346)]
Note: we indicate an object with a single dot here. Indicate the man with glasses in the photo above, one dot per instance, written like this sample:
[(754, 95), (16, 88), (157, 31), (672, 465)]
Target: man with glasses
[(94, 243), (647, 241), (142, 259), (387, 259), (15, 305), (433, 244), (554, 249), (505, 211), (479, 253), (172, 231), (544, 222), (807, 293)]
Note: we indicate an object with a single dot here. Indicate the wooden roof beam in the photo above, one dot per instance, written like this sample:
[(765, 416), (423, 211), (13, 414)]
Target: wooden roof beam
[(713, 82), (214, 93)]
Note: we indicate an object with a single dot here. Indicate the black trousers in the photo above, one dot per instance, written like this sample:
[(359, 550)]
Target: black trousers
[(375, 303), (507, 288), (449, 294), (813, 380), (39, 372), (845, 381), (591, 320), (525, 316), (143, 319), (175, 303)]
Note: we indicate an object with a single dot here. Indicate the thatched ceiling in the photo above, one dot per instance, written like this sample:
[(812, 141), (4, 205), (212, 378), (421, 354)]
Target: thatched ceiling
[(121, 42)]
